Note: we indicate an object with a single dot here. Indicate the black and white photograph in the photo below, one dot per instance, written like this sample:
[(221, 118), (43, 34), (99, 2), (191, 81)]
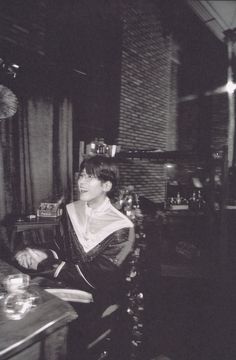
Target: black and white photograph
[(117, 180)]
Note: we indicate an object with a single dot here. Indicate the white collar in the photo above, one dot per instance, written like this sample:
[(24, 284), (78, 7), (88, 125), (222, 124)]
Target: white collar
[(100, 208), (94, 225)]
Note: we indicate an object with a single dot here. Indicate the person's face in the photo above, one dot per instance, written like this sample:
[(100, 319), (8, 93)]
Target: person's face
[(92, 189)]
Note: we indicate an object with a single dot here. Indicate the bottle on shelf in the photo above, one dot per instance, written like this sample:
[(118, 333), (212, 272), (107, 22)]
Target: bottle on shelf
[(90, 148), (193, 201), (93, 145), (170, 202), (200, 201), (178, 199)]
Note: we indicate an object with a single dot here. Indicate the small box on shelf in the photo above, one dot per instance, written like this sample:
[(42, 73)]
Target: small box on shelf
[(49, 210)]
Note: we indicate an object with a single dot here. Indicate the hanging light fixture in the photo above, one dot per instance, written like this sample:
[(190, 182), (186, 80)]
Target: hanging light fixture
[(8, 69), (8, 103), (8, 100)]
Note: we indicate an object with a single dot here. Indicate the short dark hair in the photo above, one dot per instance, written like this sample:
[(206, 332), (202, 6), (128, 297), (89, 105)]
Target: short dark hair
[(103, 168)]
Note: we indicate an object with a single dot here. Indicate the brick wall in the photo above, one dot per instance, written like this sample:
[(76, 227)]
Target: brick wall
[(172, 138), (149, 115), (145, 95), (219, 121), (148, 94)]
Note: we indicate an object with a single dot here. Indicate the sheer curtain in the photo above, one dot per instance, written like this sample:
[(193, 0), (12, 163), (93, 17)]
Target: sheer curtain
[(35, 154)]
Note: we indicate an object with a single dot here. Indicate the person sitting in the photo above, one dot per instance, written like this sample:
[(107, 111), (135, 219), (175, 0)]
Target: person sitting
[(96, 237)]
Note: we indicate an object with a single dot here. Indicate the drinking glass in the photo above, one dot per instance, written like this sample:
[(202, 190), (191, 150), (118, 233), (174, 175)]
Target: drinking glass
[(18, 301), (17, 305), (16, 283)]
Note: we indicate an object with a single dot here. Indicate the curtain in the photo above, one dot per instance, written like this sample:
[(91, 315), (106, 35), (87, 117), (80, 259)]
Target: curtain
[(35, 154), (63, 150), (9, 196)]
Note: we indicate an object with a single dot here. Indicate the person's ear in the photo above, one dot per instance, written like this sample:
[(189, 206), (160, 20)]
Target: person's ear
[(107, 186)]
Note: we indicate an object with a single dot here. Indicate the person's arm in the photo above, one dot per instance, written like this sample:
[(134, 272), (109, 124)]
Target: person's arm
[(101, 271), (32, 258), (105, 268)]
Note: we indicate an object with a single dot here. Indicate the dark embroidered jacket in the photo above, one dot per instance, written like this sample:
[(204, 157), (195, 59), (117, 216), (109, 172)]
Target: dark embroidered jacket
[(100, 268)]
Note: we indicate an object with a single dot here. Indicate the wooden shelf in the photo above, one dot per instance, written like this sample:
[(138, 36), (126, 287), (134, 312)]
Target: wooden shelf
[(161, 156)]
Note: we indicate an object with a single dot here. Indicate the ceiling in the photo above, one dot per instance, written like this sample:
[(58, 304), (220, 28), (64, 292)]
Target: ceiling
[(218, 15)]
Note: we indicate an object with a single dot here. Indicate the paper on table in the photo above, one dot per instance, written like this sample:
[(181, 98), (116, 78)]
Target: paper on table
[(72, 295)]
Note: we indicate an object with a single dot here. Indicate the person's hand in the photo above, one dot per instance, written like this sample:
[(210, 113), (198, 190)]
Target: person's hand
[(30, 258), (23, 258), (36, 257)]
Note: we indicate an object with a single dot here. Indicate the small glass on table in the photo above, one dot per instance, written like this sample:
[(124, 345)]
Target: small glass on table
[(18, 300)]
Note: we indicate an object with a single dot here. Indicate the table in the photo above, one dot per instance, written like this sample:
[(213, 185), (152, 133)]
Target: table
[(37, 227), (41, 334)]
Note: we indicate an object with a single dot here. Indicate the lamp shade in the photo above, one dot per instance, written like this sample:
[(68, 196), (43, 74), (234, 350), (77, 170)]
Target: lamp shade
[(8, 102)]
